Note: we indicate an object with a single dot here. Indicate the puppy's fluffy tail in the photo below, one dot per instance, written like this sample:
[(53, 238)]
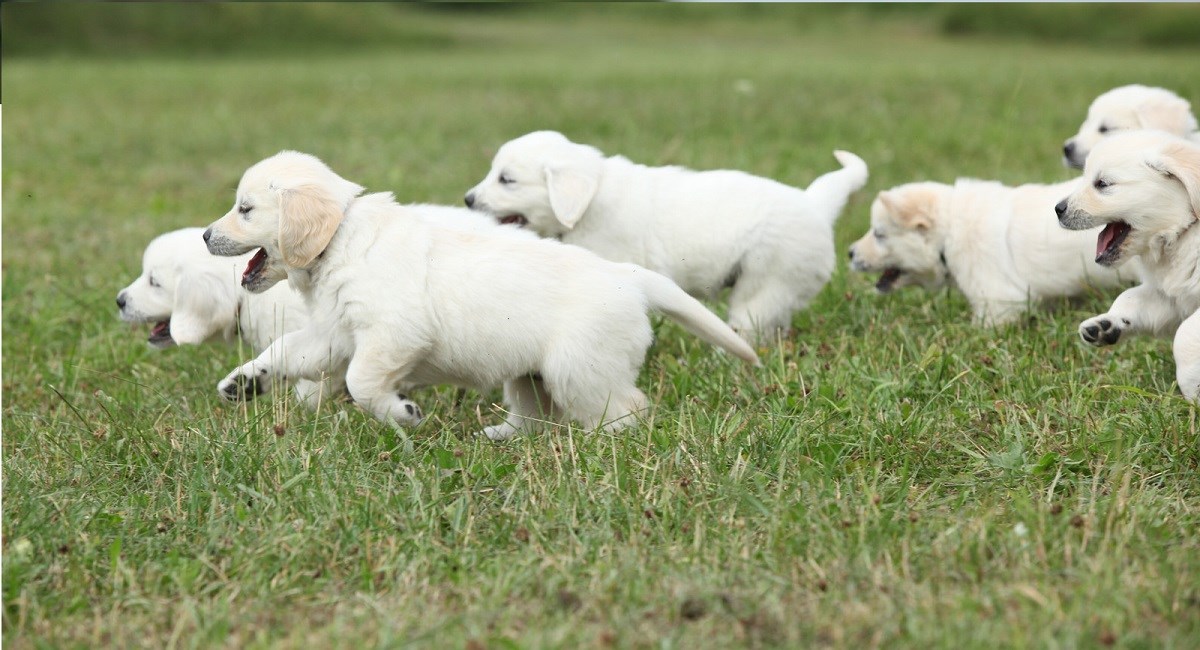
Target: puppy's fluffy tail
[(666, 296), (830, 191)]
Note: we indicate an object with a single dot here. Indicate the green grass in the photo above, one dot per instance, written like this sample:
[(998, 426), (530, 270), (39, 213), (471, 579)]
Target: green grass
[(891, 476)]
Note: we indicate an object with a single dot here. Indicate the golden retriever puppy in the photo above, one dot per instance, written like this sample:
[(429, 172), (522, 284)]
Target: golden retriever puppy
[(770, 243), (192, 296), (1129, 108), (398, 301), (1143, 188), (996, 244)]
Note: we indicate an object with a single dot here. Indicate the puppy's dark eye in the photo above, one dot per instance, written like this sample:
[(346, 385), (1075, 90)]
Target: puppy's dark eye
[(154, 282), (1104, 129), (877, 233), (1100, 184), (244, 209), (505, 180)]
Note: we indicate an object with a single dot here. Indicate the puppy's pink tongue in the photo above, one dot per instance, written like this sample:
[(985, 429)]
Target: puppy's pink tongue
[(1109, 235), (255, 263)]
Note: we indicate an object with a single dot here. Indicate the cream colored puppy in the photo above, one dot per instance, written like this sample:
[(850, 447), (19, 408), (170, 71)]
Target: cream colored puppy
[(772, 243), (997, 244), (1143, 187), (398, 302), (1130, 108), (193, 297)]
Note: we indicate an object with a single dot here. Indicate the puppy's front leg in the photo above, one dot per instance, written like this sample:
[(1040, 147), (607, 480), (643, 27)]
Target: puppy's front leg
[(1141, 309), (375, 373), (1187, 357), (306, 354)]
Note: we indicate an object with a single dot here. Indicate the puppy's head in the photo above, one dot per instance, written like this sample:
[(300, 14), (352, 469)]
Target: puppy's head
[(541, 180), (288, 207), (187, 293), (1143, 187), (1125, 109), (905, 242)]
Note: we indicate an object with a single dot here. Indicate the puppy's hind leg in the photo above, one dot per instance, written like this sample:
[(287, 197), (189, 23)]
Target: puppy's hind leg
[(761, 307), (622, 409), (595, 402), (780, 275), (527, 400), (372, 378)]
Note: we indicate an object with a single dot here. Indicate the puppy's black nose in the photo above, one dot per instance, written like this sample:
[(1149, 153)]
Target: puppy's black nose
[(850, 253), (121, 300), (207, 235), (469, 199), (1061, 209), (1069, 149)]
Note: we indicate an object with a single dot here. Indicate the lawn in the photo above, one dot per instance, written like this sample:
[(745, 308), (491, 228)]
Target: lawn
[(891, 476)]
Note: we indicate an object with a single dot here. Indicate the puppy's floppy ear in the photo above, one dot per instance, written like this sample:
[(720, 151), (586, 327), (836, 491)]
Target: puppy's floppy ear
[(1181, 163), (571, 190), (889, 202), (910, 207), (205, 304), (1172, 116), (309, 216)]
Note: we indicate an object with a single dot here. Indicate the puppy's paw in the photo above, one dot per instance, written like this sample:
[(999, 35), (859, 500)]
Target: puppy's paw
[(243, 385), (406, 411), (498, 432), (1101, 330)]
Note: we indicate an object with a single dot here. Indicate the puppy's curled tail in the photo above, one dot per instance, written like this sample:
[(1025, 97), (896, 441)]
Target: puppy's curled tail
[(830, 191), (666, 297)]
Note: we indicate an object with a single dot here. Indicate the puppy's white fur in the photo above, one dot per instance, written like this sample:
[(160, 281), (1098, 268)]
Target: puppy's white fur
[(705, 230), (998, 245), (1130, 108), (398, 301), (1143, 187)]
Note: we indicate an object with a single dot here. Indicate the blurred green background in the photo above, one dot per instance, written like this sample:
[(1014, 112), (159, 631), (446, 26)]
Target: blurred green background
[(225, 29)]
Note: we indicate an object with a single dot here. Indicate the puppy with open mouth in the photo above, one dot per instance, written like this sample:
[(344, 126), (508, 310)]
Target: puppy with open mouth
[(770, 243), (398, 301), (992, 242), (1143, 189), (191, 296)]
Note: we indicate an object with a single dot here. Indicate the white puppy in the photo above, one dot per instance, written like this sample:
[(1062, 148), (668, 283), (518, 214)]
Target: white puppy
[(996, 244), (192, 296), (705, 230), (1129, 108), (398, 301), (1143, 187)]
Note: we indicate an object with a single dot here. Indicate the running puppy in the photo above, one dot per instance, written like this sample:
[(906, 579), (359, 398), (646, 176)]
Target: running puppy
[(772, 243), (996, 244), (1143, 187), (398, 301), (193, 297)]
